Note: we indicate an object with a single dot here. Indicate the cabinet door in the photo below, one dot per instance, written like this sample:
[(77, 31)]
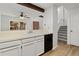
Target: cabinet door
[(28, 49), (39, 47), (12, 51)]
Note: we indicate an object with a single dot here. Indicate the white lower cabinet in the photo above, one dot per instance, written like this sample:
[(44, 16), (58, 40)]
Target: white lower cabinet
[(33, 48), (39, 47), (28, 49), (12, 48), (12, 51)]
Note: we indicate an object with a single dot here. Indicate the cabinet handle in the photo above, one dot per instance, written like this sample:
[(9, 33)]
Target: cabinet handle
[(21, 47), (71, 31)]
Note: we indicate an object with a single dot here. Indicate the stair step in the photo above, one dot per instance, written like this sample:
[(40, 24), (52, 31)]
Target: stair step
[(64, 26), (62, 34), (63, 29), (62, 37)]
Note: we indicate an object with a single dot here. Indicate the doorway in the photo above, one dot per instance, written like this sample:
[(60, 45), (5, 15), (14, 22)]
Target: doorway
[(62, 24)]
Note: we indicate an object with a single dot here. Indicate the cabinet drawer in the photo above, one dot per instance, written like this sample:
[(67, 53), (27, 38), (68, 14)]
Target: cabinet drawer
[(39, 37), (10, 48), (9, 44), (12, 51), (32, 39), (28, 40)]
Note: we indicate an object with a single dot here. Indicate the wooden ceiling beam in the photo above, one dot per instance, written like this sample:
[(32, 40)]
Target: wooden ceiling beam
[(32, 6)]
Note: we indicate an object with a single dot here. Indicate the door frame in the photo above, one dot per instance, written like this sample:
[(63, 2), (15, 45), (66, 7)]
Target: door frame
[(69, 29)]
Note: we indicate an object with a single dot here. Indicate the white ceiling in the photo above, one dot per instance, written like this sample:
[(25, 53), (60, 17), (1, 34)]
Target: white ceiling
[(16, 9), (43, 5), (67, 5)]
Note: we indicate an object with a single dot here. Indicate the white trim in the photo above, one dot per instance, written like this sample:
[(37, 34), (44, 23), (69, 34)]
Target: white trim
[(54, 48)]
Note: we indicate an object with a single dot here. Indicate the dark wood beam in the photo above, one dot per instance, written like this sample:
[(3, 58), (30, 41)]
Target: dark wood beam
[(32, 6)]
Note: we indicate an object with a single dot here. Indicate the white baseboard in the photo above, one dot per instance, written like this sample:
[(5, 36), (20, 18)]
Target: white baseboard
[(54, 48)]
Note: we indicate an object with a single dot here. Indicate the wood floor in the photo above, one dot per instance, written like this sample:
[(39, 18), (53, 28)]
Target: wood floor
[(64, 50)]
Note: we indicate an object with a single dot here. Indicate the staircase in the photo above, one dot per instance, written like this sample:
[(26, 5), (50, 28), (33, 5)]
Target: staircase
[(62, 33)]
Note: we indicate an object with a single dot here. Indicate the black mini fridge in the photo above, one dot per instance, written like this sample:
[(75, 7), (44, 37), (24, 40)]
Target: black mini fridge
[(48, 42)]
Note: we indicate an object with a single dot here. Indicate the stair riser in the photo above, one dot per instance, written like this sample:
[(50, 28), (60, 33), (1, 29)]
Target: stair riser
[(63, 29), (62, 32), (61, 38), (62, 35)]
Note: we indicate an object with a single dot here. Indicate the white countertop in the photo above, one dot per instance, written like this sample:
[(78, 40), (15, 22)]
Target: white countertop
[(16, 35)]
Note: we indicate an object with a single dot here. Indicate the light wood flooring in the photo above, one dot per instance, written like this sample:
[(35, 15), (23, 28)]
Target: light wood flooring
[(64, 50)]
